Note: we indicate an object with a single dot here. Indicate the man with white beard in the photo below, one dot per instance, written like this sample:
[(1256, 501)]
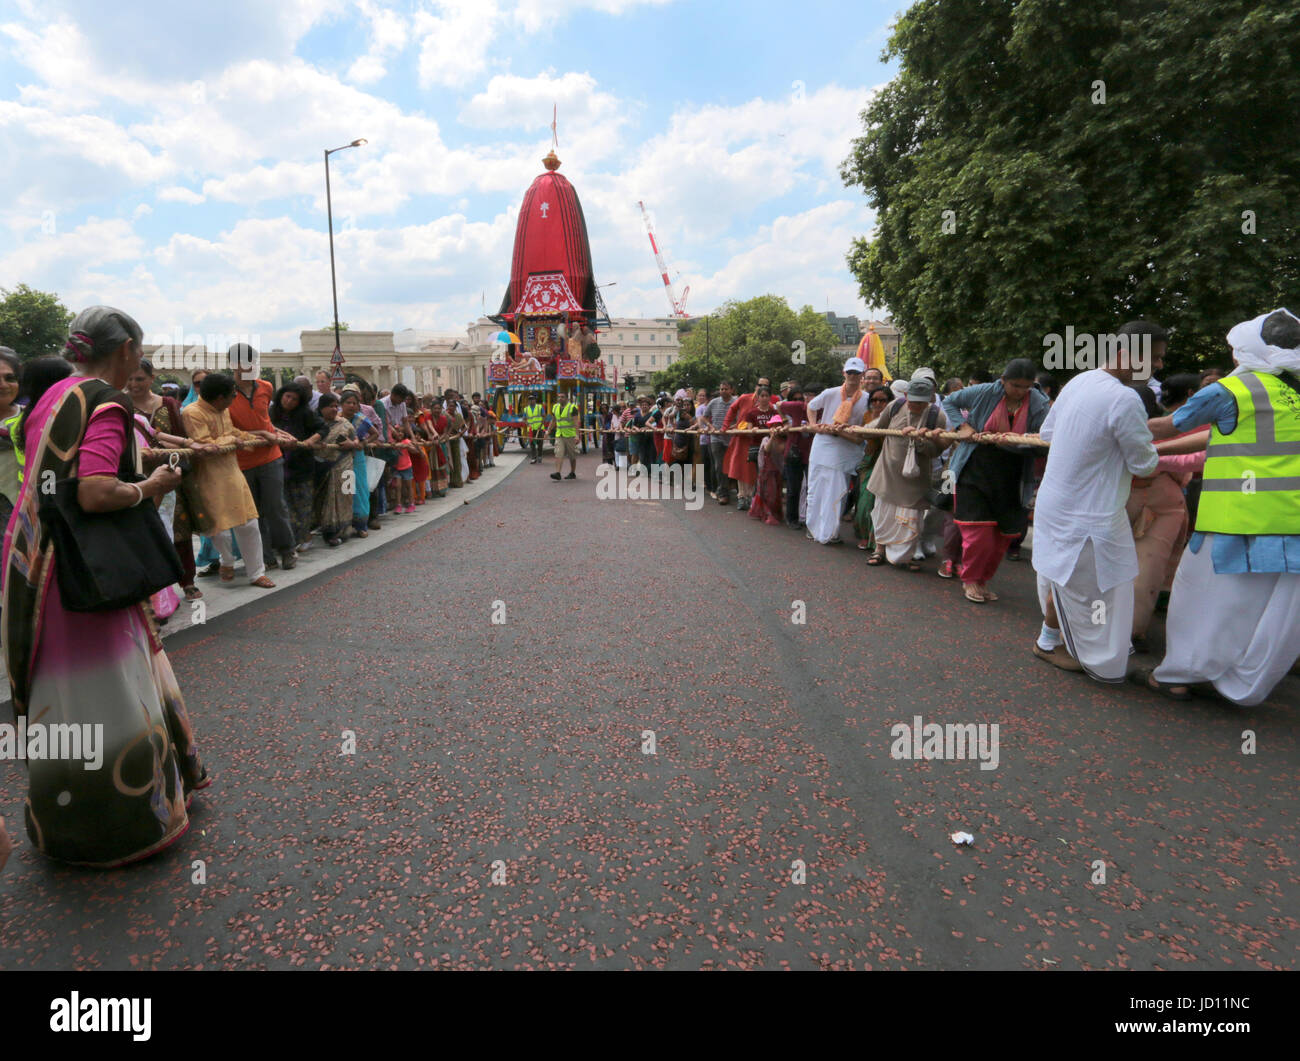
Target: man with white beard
[(833, 457), (1083, 542)]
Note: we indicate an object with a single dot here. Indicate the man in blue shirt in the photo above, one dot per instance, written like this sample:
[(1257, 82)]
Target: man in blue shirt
[(1234, 611)]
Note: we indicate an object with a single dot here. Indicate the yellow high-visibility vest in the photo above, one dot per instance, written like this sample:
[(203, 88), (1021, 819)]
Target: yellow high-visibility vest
[(563, 419), (535, 413), (1252, 476)]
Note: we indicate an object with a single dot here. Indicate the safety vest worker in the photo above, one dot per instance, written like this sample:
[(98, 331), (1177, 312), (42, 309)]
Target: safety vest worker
[(1252, 476), (564, 413), (535, 414)]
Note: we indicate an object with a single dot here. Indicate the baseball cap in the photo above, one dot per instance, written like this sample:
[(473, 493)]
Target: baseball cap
[(920, 390), (855, 364)]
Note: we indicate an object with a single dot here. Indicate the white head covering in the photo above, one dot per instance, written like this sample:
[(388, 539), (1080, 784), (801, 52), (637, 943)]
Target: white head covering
[(1255, 355), (899, 387)]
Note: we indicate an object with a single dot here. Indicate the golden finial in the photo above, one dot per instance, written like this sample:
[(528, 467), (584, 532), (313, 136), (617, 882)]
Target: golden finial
[(551, 162)]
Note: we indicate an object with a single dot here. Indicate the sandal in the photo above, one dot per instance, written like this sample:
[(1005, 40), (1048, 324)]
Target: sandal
[(988, 593), (973, 594), (227, 574), (875, 559), (263, 583), (333, 542), (913, 565), (864, 546), (192, 592), (361, 534), (1145, 677)]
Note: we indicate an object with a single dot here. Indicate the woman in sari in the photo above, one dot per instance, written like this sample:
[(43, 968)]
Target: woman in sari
[(455, 424), (993, 483), (749, 410), (165, 426), (767, 504), (291, 411), (104, 668), (435, 422), (334, 505), (877, 400), (366, 431), (10, 371)]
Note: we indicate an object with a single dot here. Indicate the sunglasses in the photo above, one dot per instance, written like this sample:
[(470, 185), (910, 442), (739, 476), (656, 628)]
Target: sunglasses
[(879, 401)]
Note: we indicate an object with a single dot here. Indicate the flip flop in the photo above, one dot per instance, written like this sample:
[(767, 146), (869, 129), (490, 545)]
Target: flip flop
[(973, 594), (1145, 677), (192, 593)]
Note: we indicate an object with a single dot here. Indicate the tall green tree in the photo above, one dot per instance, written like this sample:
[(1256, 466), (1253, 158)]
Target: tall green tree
[(747, 340), (1043, 163), (34, 323)]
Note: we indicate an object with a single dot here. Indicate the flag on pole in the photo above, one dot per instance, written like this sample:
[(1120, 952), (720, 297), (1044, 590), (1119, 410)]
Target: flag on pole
[(554, 112), (872, 352)]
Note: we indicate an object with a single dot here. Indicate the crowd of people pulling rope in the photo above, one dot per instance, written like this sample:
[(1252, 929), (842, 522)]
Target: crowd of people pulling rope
[(1183, 495), (1189, 493)]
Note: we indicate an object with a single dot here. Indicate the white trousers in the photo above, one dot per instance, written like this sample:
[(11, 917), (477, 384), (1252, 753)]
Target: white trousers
[(897, 529), (1241, 632), (1097, 627), (250, 548), (827, 486)]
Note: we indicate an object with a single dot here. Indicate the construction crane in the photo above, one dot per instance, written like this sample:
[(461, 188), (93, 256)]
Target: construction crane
[(678, 308)]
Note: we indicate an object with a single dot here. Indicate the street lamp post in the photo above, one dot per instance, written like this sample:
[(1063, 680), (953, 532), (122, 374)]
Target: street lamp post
[(329, 211)]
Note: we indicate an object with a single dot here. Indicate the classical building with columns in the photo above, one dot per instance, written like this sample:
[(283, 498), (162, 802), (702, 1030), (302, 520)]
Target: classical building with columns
[(434, 366)]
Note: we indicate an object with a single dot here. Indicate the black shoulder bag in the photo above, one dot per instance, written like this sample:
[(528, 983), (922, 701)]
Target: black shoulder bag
[(108, 560)]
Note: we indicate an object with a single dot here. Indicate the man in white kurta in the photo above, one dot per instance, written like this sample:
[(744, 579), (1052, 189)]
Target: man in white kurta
[(834, 458), (1083, 543)]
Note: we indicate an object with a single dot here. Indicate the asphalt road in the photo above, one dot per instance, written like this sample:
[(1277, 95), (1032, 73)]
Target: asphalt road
[(501, 809)]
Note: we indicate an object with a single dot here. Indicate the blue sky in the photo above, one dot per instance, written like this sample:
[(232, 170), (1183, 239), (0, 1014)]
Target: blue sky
[(169, 154)]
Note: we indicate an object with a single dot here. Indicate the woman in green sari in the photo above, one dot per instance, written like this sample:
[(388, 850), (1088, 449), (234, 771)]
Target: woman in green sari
[(877, 400)]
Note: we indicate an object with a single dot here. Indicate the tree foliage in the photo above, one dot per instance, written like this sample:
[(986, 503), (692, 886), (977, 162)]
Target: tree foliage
[(744, 341), (34, 323), (1175, 199)]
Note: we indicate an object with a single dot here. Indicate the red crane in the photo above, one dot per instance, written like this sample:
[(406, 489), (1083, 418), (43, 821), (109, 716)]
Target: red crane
[(678, 308)]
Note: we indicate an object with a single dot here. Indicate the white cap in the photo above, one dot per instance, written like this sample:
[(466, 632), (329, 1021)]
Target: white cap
[(855, 364)]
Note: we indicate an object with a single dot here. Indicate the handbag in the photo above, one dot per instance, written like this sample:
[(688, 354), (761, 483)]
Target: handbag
[(107, 560), (752, 455)]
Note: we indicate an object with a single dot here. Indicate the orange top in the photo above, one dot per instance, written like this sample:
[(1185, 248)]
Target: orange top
[(254, 415)]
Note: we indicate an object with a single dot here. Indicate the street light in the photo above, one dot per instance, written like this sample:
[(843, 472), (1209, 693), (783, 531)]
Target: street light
[(329, 210)]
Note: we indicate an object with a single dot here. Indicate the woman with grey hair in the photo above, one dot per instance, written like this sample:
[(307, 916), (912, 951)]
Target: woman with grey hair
[(95, 672)]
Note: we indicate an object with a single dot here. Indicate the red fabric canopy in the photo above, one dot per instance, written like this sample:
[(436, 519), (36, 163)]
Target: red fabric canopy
[(551, 237)]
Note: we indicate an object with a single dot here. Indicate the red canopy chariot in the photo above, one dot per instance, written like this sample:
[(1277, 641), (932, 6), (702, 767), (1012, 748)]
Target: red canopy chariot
[(552, 303)]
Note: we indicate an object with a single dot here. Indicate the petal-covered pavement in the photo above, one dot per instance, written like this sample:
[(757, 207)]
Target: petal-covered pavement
[(590, 733)]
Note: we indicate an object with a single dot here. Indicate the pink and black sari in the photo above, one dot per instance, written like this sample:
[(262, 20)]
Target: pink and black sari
[(100, 669)]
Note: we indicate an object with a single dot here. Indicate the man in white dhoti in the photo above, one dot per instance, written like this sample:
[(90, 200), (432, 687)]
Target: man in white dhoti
[(901, 480), (1083, 542), (834, 457), (1234, 612)]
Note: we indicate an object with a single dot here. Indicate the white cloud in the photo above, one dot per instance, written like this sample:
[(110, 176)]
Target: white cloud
[(457, 41), (177, 194), (510, 101), (388, 36)]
